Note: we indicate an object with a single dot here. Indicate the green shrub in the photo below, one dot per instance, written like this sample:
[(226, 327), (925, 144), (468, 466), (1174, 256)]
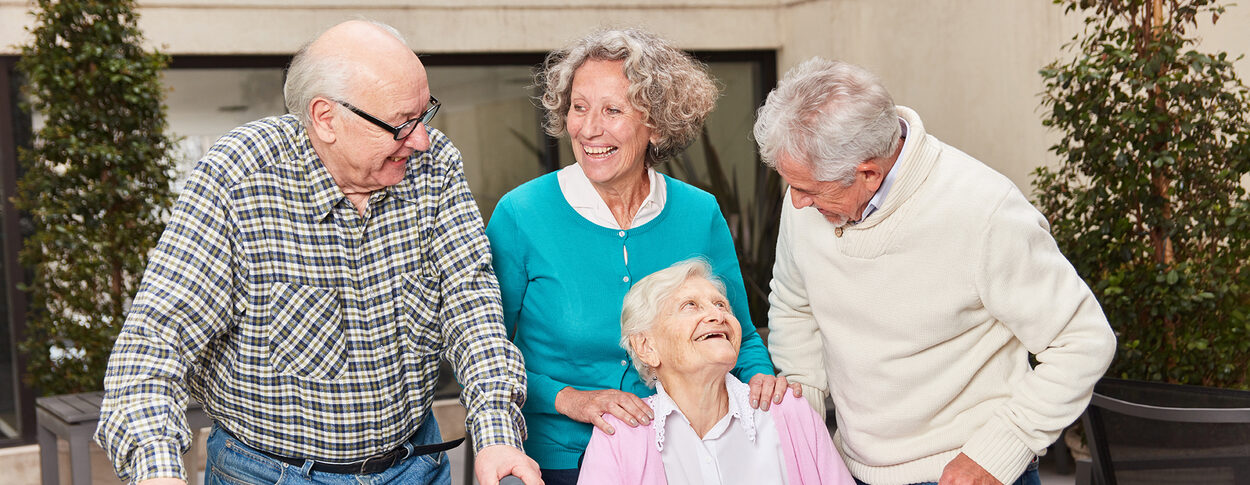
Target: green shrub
[(1148, 200), (94, 185)]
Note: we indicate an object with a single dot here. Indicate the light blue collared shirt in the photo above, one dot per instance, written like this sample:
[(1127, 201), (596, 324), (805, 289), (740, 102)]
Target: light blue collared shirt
[(879, 198)]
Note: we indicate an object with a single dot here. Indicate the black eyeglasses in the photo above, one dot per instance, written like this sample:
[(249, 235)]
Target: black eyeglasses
[(402, 131)]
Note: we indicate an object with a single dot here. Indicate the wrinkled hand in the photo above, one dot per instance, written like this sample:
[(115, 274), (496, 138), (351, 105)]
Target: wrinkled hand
[(963, 471), (590, 406), (767, 390), (498, 461)]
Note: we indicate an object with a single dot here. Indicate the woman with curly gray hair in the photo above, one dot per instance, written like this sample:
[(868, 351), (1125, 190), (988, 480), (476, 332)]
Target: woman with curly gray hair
[(568, 245)]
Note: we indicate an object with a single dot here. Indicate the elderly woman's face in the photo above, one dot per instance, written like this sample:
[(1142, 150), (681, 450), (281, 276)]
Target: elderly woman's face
[(697, 331), (609, 136)]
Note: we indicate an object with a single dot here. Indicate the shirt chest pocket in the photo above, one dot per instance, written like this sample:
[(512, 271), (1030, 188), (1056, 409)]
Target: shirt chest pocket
[(420, 314), (306, 337)]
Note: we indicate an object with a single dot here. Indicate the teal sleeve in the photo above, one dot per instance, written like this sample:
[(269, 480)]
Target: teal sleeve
[(542, 393), (508, 253), (507, 257), (753, 356)]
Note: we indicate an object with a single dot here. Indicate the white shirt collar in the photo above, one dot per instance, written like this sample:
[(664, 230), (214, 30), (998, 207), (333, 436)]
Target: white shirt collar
[(586, 201), (878, 199), (739, 408)]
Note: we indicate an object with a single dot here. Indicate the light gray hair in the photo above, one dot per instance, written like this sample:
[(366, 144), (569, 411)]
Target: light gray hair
[(311, 75), (672, 90), (832, 115), (645, 300)]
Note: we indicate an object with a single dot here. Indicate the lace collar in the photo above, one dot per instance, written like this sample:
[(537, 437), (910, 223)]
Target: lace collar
[(739, 407)]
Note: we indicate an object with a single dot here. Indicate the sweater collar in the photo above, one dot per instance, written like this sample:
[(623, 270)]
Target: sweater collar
[(920, 152)]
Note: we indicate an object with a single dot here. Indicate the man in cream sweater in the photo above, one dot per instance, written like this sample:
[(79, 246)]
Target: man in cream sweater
[(912, 282)]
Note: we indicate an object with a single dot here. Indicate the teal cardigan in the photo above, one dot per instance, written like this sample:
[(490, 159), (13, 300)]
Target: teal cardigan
[(563, 279)]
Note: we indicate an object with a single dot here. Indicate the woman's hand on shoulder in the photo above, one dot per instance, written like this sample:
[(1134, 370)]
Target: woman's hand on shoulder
[(767, 390), (590, 406)]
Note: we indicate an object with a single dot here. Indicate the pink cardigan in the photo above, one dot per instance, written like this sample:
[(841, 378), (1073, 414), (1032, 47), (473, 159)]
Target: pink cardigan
[(630, 456)]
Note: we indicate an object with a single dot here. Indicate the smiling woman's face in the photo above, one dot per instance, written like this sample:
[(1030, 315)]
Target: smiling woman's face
[(697, 332)]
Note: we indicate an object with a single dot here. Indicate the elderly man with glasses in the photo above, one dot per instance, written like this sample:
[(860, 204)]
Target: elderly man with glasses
[(314, 271)]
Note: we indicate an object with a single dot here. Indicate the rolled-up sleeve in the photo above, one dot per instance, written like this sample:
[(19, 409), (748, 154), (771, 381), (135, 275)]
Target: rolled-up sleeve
[(182, 305)]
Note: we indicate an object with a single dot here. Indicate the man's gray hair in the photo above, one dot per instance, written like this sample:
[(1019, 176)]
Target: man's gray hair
[(311, 75), (644, 302), (831, 115)]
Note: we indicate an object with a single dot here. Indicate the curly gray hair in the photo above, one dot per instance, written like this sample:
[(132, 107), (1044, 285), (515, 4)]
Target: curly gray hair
[(832, 113), (672, 90), (641, 308)]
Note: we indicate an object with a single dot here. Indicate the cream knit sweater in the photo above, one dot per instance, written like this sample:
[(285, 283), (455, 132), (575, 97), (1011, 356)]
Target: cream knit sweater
[(919, 321)]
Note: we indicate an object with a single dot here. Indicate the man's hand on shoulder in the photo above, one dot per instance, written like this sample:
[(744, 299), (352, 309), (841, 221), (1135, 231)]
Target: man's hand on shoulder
[(163, 481), (963, 471), (498, 461)]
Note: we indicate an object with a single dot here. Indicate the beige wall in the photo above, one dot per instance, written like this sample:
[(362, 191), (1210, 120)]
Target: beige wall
[(969, 67)]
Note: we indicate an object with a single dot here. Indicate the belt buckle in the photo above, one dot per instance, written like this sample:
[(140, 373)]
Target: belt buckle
[(391, 455), (365, 464)]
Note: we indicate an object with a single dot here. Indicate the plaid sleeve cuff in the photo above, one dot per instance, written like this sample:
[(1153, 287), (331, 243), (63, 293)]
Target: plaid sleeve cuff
[(157, 459), (497, 427)]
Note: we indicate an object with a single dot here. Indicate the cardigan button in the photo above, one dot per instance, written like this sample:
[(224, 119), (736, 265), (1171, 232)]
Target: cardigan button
[(622, 233), (625, 279)]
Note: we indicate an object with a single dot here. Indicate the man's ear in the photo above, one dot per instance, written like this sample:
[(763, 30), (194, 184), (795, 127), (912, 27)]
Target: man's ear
[(871, 172), (322, 113), (644, 350)]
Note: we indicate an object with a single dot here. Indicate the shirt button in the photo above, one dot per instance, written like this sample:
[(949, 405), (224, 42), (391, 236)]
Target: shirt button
[(622, 233), (625, 279)]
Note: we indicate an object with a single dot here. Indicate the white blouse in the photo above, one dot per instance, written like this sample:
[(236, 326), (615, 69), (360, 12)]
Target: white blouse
[(743, 447), (586, 201)]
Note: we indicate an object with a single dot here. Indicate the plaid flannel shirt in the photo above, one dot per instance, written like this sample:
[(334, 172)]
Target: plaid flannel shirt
[(306, 329)]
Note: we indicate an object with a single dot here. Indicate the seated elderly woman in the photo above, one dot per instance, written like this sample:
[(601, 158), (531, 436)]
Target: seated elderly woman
[(678, 328)]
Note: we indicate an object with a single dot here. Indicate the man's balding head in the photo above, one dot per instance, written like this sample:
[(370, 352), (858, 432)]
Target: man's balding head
[(334, 63)]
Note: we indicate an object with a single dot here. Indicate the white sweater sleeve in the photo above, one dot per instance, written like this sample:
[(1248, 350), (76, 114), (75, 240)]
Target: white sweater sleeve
[(794, 338), (1026, 283)]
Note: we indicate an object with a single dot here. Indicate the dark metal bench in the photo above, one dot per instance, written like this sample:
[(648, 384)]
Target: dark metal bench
[(73, 417), (1167, 433)]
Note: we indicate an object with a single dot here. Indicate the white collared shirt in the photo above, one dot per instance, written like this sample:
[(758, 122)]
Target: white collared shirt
[(743, 447), (580, 194), (878, 199)]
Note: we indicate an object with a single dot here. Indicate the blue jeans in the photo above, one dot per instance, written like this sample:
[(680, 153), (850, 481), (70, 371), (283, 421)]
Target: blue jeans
[(1029, 477), (230, 462)]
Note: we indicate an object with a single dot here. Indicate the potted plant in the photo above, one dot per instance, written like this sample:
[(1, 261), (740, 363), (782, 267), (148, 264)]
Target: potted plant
[(1148, 200), (95, 184)]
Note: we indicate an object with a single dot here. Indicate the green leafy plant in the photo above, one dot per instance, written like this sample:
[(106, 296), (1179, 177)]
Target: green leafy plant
[(753, 221), (1148, 199), (95, 183)]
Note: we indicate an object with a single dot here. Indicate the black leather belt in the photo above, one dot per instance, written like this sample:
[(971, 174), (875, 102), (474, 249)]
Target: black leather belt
[(370, 465)]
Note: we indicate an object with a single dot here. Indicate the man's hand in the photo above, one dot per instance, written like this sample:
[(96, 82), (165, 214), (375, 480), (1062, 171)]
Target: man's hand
[(590, 406), (963, 471), (766, 389), (498, 461), (162, 481)]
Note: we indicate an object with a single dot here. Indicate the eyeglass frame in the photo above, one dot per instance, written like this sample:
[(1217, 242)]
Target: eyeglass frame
[(398, 131)]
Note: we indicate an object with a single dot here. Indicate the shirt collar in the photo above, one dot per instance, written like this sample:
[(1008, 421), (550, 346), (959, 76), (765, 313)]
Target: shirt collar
[(878, 199), (739, 408), (324, 193), (582, 196)]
